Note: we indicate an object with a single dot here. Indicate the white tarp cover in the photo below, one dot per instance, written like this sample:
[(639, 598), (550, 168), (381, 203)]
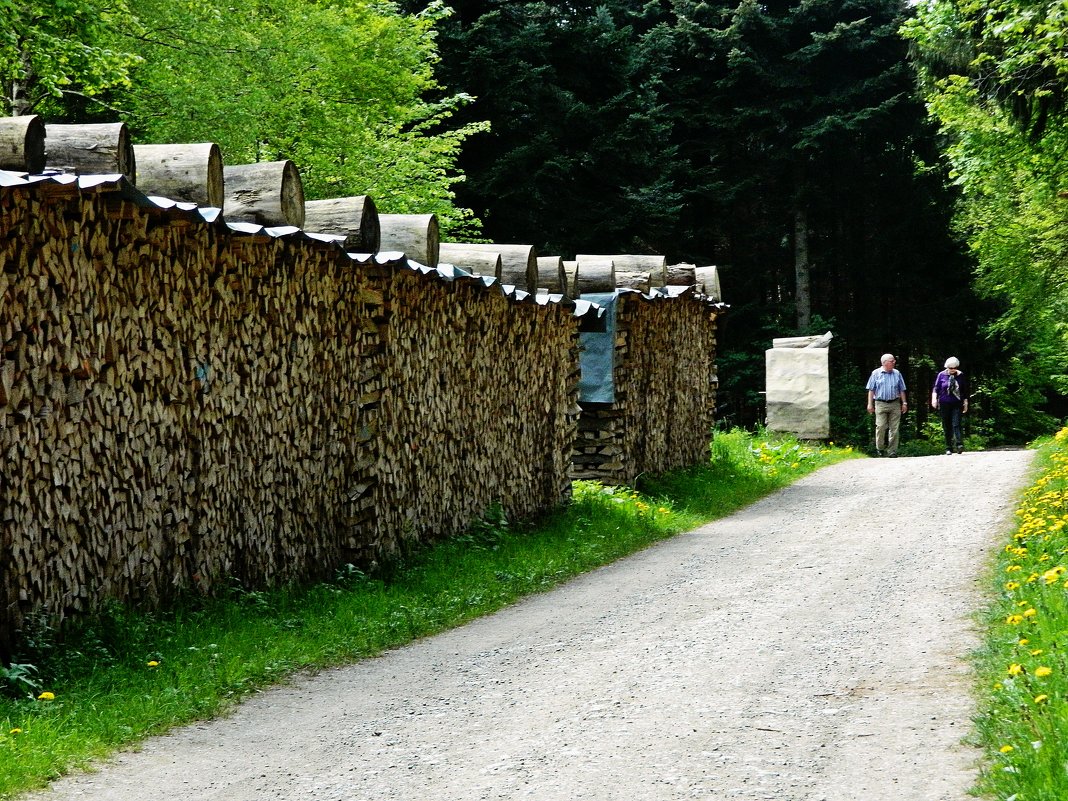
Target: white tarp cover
[(799, 391)]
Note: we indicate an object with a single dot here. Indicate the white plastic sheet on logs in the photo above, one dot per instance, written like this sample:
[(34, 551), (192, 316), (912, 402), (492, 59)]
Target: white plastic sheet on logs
[(797, 374)]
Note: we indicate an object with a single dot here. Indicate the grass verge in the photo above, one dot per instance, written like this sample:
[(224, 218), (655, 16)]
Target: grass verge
[(1022, 669), (76, 696)]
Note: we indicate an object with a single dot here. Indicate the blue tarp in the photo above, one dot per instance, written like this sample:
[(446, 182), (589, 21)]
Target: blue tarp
[(597, 382)]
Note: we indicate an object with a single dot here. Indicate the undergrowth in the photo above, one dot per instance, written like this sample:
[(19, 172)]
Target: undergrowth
[(1023, 666)]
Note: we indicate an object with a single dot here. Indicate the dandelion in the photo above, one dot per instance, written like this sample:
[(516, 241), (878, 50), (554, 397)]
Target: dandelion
[(1015, 669), (1023, 641), (1030, 613), (153, 663), (1012, 585), (663, 510), (1036, 652), (46, 696), (1006, 749), (1013, 568), (15, 732), (1014, 620), (1043, 671), (1041, 699)]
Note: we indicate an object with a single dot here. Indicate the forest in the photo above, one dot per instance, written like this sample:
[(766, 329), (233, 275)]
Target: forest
[(891, 172)]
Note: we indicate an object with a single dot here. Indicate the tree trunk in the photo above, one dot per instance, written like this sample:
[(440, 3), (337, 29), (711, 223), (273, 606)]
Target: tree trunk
[(481, 262), (355, 218), (100, 149), (22, 144), (803, 293), (267, 193), (414, 235), (519, 264), (192, 173)]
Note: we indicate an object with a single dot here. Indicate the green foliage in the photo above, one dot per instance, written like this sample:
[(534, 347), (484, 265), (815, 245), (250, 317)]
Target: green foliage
[(127, 674), (340, 88), (995, 81), (49, 48)]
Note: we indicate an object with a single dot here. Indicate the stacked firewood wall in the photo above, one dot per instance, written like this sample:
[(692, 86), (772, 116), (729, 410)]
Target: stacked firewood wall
[(665, 392), (467, 420), (171, 417), (182, 406)]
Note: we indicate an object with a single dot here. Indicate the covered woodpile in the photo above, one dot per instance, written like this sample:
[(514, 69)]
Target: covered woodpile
[(663, 396), (186, 402)]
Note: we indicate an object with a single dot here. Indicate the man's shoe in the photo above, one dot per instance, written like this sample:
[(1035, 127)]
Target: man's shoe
[(892, 455), (879, 453), (949, 453), (960, 449)]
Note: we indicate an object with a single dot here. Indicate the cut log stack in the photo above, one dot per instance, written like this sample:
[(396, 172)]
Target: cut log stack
[(104, 148), (191, 173), (266, 193), (22, 144), (479, 407), (665, 392), (182, 405), (355, 218), (415, 235)]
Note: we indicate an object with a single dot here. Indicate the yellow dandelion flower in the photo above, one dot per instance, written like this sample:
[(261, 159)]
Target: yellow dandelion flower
[(1015, 669), (1012, 585), (1014, 620), (1005, 749), (1041, 699), (1030, 613), (795, 465), (663, 510), (1036, 652), (15, 732), (153, 663), (1043, 671), (1013, 568), (46, 696), (1023, 641)]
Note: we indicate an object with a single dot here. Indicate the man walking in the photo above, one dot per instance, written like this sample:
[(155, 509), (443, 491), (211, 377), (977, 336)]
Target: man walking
[(886, 400)]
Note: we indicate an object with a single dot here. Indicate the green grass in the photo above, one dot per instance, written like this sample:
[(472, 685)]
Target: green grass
[(1022, 668), (128, 674)]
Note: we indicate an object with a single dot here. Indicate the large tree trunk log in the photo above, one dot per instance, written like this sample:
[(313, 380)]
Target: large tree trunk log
[(482, 262), (519, 264), (91, 149), (594, 274), (628, 264), (267, 193), (681, 275), (189, 172), (707, 281), (551, 274), (22, 144), (355, 218), (414, 235), (571, 276)]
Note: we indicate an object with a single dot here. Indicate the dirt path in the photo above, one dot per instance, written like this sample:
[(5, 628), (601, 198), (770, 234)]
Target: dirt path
[(807, 648)]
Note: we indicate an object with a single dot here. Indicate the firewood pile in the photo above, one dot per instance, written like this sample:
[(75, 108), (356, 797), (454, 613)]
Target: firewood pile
[(189, 398), (665, 391), (184, 403)]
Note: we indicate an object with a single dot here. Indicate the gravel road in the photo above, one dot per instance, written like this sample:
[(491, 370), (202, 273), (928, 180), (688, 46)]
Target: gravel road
[(810, 647)]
